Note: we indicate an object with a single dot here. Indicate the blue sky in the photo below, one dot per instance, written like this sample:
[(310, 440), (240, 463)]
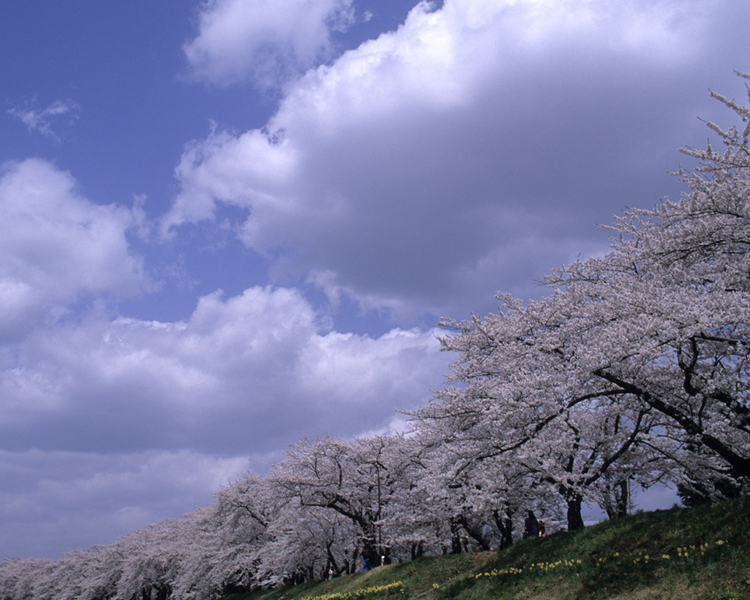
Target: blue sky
[(229, 224)]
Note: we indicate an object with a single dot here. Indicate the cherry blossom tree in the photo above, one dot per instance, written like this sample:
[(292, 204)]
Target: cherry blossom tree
[(222, 545), (520, 405), (91, 574), (350, 478), (669, 311), (20, 579), (635, 366), (309, 542)]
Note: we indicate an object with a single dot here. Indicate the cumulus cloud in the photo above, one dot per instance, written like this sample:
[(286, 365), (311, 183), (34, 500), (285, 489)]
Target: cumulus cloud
[(57, 247), (254, 370), (454, 157), (108, 424), (266, 41), (140, 420), (41, 120)]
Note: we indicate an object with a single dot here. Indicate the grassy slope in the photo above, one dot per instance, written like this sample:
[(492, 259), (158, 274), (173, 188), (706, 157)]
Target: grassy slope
[(683, 554)]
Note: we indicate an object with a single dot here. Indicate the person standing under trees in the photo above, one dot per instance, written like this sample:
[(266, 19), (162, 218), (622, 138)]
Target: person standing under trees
[(531, 526), (367, 556)]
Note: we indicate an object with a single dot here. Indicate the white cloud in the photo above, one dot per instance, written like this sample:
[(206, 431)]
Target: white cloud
[(40, 121), (56, 246), (255, 370), (110, 425), (265, 40), (426, 169)]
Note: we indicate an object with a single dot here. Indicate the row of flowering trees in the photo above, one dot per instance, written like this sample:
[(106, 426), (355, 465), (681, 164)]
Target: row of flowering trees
[(634, 368), (330, 507)]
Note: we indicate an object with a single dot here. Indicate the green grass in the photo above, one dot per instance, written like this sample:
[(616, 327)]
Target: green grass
[(697, 553)]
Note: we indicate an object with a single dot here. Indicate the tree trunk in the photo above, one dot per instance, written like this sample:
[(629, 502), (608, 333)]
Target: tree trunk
[(505, 526), (456, 545), (617, 505), (575, 520), (331, 559), (417, 549), (475, 531)]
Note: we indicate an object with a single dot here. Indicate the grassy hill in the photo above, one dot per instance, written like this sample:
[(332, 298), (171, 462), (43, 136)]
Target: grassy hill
[(696, 553)]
